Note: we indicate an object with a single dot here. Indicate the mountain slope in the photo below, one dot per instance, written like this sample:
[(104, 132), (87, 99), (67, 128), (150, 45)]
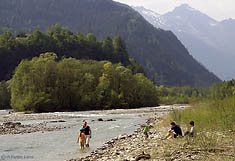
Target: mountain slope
[(209, 41), (163, 56)]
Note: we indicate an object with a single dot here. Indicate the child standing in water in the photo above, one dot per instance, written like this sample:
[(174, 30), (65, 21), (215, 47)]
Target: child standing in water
[(82, 138)]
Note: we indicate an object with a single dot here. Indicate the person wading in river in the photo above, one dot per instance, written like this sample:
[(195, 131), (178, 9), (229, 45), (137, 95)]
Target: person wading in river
[(87, 133)]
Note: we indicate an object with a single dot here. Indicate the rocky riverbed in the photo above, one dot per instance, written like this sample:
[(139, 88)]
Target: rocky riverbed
[(18, 128), (34, 116)]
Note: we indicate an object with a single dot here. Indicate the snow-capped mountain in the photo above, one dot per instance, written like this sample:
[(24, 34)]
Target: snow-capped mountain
[(149, 15), (209, 41)]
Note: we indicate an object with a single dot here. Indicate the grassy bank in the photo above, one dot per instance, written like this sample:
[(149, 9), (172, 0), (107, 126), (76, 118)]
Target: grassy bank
[(215, 115), (215, 132)]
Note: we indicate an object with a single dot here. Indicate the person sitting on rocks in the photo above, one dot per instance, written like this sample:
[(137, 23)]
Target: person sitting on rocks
[(191, 132), (174, 132)]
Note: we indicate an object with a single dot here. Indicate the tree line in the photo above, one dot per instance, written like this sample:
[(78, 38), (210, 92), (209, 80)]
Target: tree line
[(64, 43), (223, 90), (46, 84), (92, 97)]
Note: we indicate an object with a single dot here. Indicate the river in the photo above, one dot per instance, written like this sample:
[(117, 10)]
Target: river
[(61, 145)]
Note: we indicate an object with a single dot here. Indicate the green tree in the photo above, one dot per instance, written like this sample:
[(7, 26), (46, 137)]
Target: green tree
[(4, 95), (120, 51)]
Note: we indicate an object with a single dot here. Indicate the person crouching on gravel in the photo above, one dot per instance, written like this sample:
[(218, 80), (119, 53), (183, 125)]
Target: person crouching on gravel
[(174, 132)]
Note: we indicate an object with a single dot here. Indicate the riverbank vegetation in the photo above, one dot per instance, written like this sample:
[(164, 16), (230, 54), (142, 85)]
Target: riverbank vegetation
[(214, 124), (218, 112), (44, 84), (182, 95)]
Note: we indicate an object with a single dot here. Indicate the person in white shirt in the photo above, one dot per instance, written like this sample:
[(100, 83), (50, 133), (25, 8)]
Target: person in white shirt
[(191, 132)]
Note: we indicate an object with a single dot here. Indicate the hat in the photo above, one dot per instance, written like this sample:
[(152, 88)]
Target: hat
[(82, 129)]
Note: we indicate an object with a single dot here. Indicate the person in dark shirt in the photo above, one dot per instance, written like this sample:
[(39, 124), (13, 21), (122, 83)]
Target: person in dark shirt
[(175, 131), (87, 133)]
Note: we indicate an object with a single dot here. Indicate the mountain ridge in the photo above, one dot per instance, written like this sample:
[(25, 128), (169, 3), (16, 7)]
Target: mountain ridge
[(164, 57), (208, 40)]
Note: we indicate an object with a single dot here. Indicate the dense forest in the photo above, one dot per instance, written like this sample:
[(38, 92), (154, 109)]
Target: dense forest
[(163, 56), (5, 95), (44, 84), (65, 44)]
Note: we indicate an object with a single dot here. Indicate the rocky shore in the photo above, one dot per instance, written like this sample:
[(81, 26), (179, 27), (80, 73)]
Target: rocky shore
[(126, 147), (135, 147)]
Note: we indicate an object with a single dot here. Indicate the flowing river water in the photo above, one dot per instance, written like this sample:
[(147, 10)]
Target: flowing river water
[(61, 145)]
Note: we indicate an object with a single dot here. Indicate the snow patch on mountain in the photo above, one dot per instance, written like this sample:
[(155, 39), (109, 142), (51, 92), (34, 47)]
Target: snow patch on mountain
[(209, 41)]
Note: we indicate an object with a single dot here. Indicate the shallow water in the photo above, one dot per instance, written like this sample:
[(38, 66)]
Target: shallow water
[(61, 145)]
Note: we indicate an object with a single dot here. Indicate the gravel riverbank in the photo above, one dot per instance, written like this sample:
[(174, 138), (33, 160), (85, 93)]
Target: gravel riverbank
[(134, 147), (126, 147)]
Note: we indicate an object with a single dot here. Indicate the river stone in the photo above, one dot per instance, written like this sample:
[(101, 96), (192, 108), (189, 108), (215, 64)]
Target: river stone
[(110, 120), (122, 136), (11, 124)]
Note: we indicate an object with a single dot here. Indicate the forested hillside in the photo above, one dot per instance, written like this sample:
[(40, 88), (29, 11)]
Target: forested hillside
[(65, 44), (163, 56)]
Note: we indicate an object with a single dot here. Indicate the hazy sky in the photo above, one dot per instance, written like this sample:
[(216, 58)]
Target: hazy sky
[(217, 9)]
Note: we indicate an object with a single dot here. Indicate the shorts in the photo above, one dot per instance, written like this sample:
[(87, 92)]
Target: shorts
[(87, 139), (176, 135), (146, 134), (82, 142)]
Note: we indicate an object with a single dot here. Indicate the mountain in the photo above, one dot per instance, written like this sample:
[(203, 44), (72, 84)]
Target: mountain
[(209, 41), (163, 56)]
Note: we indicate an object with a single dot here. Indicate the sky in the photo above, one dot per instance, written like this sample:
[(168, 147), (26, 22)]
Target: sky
[(217, 9)]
